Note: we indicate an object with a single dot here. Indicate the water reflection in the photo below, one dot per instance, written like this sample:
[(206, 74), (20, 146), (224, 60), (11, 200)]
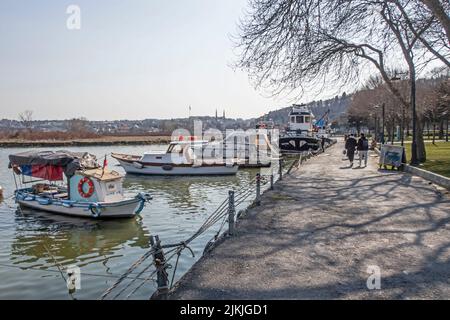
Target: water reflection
[(71, 240), (179, 207), (186, 192)]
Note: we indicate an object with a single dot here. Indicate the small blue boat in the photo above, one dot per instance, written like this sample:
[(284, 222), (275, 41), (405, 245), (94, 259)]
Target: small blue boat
[(92, 191)]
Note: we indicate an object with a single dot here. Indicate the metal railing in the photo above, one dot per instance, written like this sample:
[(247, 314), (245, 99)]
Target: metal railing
[(225, 214)]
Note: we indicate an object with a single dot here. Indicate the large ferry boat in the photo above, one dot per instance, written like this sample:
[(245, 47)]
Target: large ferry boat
[(300, 135)]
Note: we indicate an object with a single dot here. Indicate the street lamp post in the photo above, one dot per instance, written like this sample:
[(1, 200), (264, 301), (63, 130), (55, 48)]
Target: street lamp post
[(394, 80), (446, 136), (403, 126), (376, 128), (414, 160), (374, 116), (383, 122), (383, 112)]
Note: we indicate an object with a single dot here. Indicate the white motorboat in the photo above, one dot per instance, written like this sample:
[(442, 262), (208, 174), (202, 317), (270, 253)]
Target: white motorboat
[(91, 191), (180, 158)]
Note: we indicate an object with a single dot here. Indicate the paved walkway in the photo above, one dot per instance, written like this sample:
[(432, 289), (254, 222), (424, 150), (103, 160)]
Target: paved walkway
[(317, 233)]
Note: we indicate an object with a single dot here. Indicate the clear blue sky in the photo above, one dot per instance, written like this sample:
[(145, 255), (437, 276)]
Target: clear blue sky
[(131, 59)]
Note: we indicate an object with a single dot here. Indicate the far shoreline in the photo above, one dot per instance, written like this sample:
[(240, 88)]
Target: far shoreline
[(90, 142)]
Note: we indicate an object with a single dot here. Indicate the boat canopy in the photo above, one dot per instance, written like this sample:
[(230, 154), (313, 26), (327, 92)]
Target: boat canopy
[(50, 165)]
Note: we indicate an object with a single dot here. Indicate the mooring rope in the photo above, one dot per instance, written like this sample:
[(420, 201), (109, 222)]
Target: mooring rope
[(141, 284), (59, 268), (88, 274), (221, 213), (139, 275), (128, 272)]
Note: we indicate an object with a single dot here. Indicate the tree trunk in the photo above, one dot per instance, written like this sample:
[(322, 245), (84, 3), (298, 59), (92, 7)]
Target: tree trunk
[(421, 151), (434, 132), (441, 129), (387, 135), (438, 11), (402, 130), (446, 137), (393, 131)]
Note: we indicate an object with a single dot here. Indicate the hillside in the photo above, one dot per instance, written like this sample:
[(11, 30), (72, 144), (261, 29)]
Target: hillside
[(337, 106), (59, 129)]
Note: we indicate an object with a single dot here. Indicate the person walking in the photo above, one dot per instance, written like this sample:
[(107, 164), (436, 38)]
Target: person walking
[(363, 149), (350, 146)]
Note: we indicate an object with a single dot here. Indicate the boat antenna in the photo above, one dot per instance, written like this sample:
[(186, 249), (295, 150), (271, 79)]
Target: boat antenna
[(105, 163)]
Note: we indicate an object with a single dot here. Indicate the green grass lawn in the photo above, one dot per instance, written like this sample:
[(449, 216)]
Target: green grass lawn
[(438, 157)]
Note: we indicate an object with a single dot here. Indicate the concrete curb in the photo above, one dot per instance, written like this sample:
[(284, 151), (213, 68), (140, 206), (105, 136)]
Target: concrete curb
[(427, 175)]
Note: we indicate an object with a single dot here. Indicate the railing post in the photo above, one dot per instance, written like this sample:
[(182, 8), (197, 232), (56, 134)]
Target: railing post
[(162, 276), (271, 181), (231, 211), (258, 189), (257, 148), (280, 169)]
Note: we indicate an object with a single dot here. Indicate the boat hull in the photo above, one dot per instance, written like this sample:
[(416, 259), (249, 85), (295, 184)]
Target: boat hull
[(123, 209), (180, 170), (298, 144)]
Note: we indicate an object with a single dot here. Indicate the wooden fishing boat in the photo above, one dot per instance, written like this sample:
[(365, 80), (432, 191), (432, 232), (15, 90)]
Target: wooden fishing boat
[(91, 191)]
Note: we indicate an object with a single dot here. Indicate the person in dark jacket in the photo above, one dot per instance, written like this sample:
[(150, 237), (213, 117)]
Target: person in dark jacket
[(363, 149), (350, 146)]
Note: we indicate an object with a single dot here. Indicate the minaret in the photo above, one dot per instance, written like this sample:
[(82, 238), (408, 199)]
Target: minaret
[(216, 114), (223, 114)]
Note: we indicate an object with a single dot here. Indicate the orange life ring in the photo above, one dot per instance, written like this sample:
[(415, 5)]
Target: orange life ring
[(90, 192)]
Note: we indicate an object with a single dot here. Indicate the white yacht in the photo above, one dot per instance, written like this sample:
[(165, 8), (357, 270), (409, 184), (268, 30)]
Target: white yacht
[(179, 159)]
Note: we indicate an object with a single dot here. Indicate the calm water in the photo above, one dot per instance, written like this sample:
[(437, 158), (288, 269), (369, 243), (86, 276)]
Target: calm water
[(102, 249)]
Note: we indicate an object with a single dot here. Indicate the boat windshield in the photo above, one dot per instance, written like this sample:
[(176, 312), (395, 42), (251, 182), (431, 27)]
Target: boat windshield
[(176, 148), (300, 119)]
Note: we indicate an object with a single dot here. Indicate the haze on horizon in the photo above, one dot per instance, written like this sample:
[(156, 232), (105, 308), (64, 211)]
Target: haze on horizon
[(130, 60)]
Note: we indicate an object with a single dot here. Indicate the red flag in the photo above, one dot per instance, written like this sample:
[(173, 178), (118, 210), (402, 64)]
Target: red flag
[(105, 163)]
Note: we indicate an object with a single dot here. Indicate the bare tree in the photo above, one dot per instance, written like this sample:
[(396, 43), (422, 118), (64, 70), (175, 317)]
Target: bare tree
[(308, 44), (406, 40), (440, 10), (78, 125), (26, 118), (425, 27)]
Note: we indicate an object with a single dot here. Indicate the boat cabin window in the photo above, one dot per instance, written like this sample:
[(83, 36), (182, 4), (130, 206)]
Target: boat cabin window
[(175, 148), (299, 119)]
